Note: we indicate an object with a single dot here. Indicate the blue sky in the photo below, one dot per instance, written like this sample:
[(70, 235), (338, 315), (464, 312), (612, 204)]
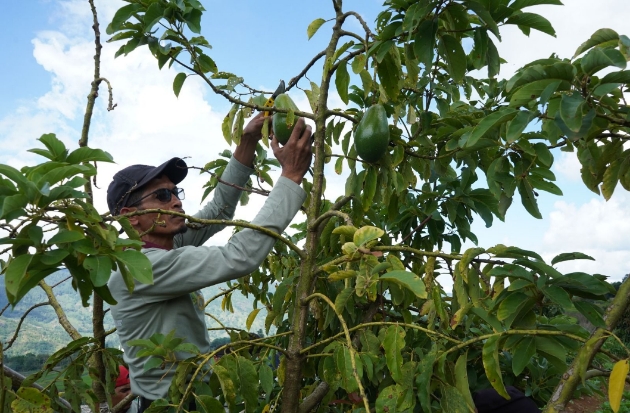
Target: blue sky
[(46, 71)]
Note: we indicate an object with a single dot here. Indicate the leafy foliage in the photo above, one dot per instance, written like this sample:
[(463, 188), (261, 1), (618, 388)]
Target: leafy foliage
[(362, 305)]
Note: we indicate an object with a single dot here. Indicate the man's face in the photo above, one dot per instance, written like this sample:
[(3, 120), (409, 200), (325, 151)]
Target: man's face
[(165, 225), (120, 393)]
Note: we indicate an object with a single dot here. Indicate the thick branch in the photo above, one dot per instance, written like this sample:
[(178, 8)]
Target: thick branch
[(61, 315), (313, 400)]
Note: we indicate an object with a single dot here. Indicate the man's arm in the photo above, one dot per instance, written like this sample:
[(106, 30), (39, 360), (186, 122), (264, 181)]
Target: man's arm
[(225, 197)]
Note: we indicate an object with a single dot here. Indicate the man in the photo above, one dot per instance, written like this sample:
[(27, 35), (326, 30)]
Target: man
[(122, 390), (181, 265)]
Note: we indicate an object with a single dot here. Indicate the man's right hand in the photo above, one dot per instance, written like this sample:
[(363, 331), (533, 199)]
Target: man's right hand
[(296, 155)]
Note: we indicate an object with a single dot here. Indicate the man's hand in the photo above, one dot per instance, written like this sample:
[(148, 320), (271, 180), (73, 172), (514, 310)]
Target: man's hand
[(296, 155), (252, 133)]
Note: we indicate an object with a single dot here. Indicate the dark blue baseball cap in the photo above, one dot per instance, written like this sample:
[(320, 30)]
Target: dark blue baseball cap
[(134, 177)]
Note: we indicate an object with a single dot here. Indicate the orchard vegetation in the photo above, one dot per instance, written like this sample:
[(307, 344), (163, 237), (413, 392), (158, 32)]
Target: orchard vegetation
[(361, 319)]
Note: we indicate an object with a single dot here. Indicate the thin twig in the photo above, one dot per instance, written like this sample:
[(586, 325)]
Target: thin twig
[(19, 326)]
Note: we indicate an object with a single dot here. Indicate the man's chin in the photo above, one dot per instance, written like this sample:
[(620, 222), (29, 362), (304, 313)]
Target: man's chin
[(181, 230)]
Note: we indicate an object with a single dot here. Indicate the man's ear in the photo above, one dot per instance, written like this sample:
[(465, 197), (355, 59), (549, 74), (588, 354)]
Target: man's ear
[(133, 220)]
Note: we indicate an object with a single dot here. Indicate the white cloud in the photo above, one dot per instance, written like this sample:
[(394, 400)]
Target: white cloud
[(597, 228), (574, 23), (568, 166)]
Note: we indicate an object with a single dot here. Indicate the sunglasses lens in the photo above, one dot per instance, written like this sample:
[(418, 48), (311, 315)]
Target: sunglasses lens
[(163, 195)]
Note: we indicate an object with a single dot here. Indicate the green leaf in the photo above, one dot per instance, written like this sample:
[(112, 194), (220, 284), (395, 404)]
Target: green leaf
[(15, 274), (389, 73), (455, 56), (558, 296), (86, 154), (453, 401), (533, 21), (63, 237), (247, 383), (423, 379), (493, 120), (100, 268), (592, 312), (571, 110), (122, 15), (523, 353), (424, 41), (407, 280), (393, 343), (227, 385), (208, 404), (206, 64), (461, 379), (511, 305), (528, 199), (358, 63), (342, 80), (344, 365), (597, 59), (153, 15), (341, 275), (551, 347), (569, 256), (610, 179), (13, 204), (347, 230), (621, 76), (193, 20), (369, 188), (521, 4), (137, 263), (314, 26), (387, 400), (490, 358), (467, 258), (517, 125), (366, 234), (55, 146), (178, 82), (152, 363), (30, 400), (602, 38), (265, 375), (342, 299), (485, 16)]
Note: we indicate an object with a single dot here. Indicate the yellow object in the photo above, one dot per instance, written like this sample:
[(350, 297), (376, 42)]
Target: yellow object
[(616, 384), (279, 90)]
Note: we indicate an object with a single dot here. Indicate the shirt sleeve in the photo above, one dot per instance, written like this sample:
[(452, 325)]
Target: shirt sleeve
[(189, 268), (222, 206)]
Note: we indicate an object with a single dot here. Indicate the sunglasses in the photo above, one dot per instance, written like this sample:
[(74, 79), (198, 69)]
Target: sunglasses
[(163, 195)]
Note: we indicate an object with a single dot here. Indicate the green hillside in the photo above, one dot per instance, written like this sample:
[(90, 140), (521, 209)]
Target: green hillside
[(41, 333)]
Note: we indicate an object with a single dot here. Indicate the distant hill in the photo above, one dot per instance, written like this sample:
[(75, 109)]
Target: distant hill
[(42, 334)]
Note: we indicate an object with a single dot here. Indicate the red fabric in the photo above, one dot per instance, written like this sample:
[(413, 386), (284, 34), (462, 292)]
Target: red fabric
[(123, 376)]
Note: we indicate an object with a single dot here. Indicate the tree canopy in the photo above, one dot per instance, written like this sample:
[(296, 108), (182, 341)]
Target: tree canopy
[(361, 318)]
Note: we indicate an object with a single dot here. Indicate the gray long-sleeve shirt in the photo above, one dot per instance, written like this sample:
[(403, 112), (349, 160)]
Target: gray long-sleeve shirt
[(173, 301)]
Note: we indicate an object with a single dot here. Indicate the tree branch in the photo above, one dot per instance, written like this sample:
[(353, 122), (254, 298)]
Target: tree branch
[(313, 400), (206, 222), (294, 81), (61, 315), (19, 326)]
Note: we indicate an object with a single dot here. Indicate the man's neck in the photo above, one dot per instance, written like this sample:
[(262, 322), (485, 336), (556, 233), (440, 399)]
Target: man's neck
[(165, 243)]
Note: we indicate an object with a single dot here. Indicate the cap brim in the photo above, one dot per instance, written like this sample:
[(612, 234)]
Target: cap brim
[(175, 169)]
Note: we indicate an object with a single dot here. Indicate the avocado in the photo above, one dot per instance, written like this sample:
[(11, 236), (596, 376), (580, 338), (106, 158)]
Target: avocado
[(372, 134), (281, 130)]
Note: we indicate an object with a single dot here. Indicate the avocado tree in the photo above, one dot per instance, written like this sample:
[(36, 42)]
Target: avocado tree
[(360, 316)]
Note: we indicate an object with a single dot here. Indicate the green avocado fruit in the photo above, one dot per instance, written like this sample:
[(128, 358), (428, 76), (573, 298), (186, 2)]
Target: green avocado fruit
[(281, 130), (372, 134)]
